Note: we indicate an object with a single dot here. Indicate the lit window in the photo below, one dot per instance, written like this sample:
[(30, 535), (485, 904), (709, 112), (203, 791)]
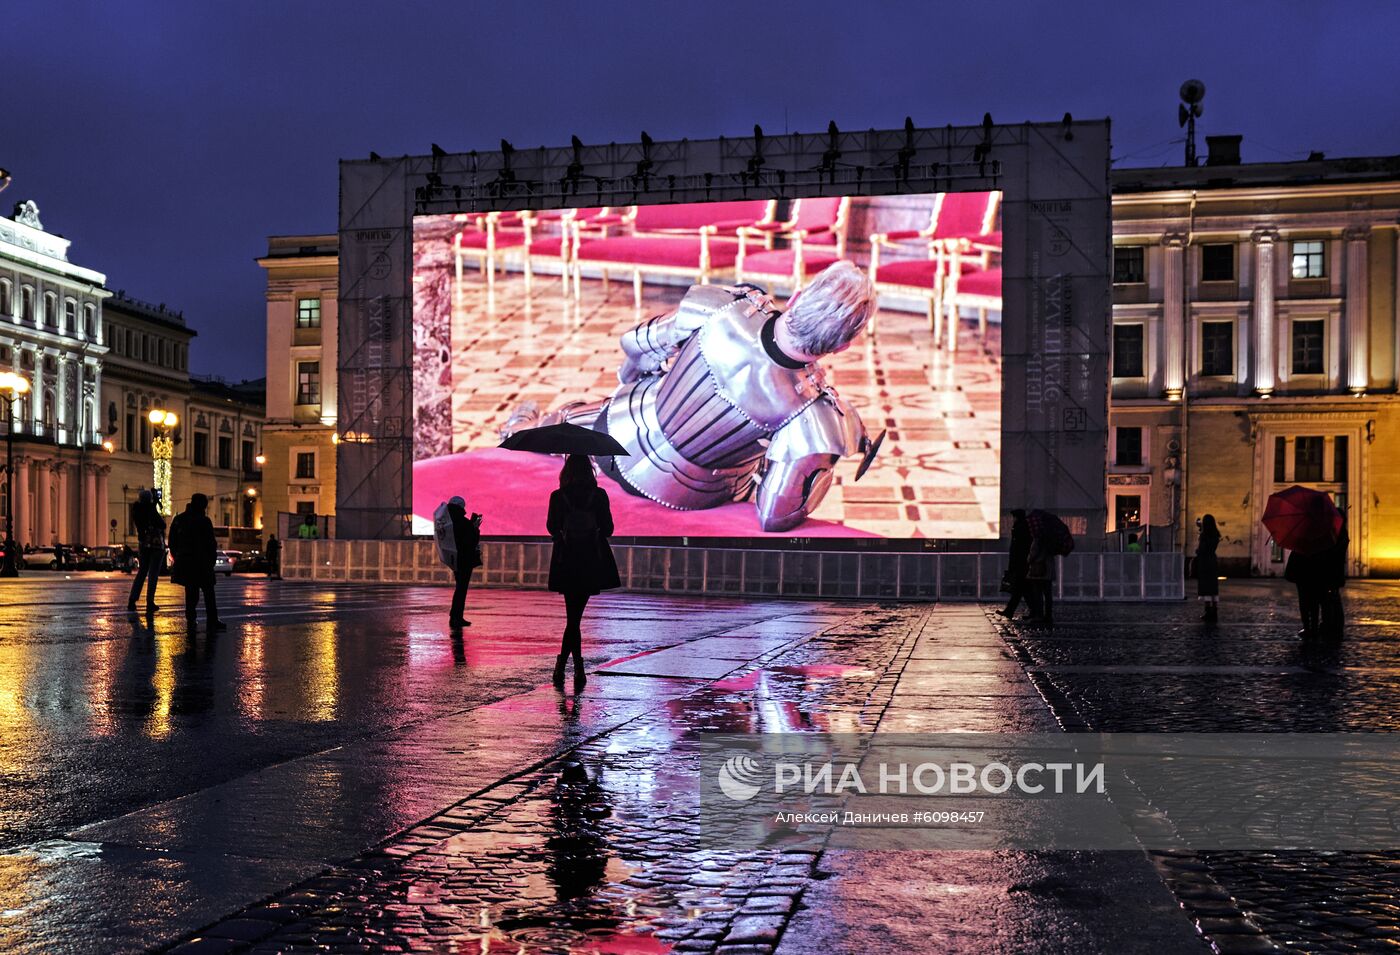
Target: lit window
[(308, 313), (1127, 351), (308, 382), (1309, 260)]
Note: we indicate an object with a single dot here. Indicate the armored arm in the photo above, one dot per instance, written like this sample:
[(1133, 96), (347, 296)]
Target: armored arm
[(651, 344), (801, 461)]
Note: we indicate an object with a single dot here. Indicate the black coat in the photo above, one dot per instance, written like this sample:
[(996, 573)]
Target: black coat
[(193, 547), (587, 566), (1020, 555), (1206, 568), (467, 538)]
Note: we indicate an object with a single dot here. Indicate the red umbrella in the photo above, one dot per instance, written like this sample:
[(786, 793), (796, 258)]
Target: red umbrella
[(1302, 519)]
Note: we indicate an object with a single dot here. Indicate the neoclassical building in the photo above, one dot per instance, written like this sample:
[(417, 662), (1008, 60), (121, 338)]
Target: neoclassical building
[(52, 333), (216, 443), (1254, 346)]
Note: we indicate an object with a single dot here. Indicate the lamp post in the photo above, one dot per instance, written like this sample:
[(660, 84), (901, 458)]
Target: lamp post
[(11, 387), (162, 452)]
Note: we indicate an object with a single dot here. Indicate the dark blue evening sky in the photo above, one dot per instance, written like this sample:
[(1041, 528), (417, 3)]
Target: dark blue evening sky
[(168, 139)]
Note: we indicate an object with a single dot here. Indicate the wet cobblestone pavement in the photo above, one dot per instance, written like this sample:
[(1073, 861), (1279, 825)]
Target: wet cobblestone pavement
[(337, 774), (1104, 669)]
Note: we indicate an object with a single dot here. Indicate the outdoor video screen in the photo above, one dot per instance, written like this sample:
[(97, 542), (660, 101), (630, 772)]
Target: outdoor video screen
[(731, 349)]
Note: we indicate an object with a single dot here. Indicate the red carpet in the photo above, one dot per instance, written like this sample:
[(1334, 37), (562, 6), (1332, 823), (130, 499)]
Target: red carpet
[(511, 490)]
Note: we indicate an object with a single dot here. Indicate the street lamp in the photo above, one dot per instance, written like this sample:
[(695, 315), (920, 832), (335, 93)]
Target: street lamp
[(162, 452), (11, 387)]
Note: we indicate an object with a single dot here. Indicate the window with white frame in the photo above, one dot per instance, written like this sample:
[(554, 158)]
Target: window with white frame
[(26, 304), (50, 316), (1127, 447), (308, 382), (70, 317), (1309, 259), (308, 313), (305, 465), (1218, 349), (1127, 350), (6, 298), (1308, 346)]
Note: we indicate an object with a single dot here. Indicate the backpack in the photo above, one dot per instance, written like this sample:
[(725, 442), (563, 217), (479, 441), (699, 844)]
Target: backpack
[(580, 525)]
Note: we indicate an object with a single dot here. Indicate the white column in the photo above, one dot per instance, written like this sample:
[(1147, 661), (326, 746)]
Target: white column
[(1264, 325), (43, 523), (21, 495), (60, 415), (65, 506), (89, 508), (36, 393), (1173, 316), (104, 533), (1357, 319)]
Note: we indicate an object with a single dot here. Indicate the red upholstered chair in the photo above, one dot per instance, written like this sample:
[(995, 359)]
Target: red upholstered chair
[(551, 239), (957, 217), (816, 236), (694, 240), (486, 237)]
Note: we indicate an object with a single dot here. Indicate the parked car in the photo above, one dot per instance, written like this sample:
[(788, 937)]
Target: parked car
[(250, 562), (46, 557), (99, 558), (224, 561)]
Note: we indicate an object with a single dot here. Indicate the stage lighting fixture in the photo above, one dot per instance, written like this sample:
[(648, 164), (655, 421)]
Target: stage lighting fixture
[(1188, 111)]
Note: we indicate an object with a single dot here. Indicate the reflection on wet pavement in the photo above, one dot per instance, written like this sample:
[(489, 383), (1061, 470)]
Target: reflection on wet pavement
[(1115, 669)]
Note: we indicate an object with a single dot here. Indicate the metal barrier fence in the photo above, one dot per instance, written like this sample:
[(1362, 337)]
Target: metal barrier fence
[(766, 573)]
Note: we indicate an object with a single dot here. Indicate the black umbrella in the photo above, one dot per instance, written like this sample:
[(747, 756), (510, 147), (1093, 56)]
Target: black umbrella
[(564, 439)]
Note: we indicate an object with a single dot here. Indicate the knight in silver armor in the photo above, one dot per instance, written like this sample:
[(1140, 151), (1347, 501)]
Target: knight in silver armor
[(724, 399)]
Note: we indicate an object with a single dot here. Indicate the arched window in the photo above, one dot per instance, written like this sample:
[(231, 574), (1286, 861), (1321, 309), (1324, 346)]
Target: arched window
[(90, 322), (70, 317), (7, 303), (50, 316), (26, 304), (50, 406)]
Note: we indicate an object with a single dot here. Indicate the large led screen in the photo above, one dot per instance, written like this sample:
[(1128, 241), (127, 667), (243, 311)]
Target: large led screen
[(731, 348)]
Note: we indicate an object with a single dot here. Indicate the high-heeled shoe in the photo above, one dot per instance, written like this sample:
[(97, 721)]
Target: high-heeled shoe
[(559, 672), (580, 676)]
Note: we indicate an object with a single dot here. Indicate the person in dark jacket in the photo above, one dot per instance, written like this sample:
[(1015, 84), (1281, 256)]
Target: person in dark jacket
[(466, 534), (150, 555), (1018, 562), (194, 547), (1206, 568), (1040, 580), (1333, 577), (274, 558), (581, 564)]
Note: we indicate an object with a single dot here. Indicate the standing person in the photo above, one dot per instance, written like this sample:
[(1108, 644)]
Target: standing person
[(1304, 572), (1333, 577), (1206, 568), (1040, 580), (150, 555), (1018, 562), (308, 531), (194, 546), (1134, 545), (581, 564), (274, 558), (466, 534)]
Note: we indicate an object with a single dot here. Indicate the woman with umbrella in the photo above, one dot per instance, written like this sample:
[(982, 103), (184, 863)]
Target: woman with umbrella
[(1206, 569), (1307, 523), (582, 564)]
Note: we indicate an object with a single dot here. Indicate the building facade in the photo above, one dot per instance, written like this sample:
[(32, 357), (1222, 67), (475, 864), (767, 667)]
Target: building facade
[(299, 436), (1254, 346), (52, 333), (216, 442)]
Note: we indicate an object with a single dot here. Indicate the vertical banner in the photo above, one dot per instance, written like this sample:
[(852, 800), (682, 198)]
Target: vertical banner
[(375, 423)]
